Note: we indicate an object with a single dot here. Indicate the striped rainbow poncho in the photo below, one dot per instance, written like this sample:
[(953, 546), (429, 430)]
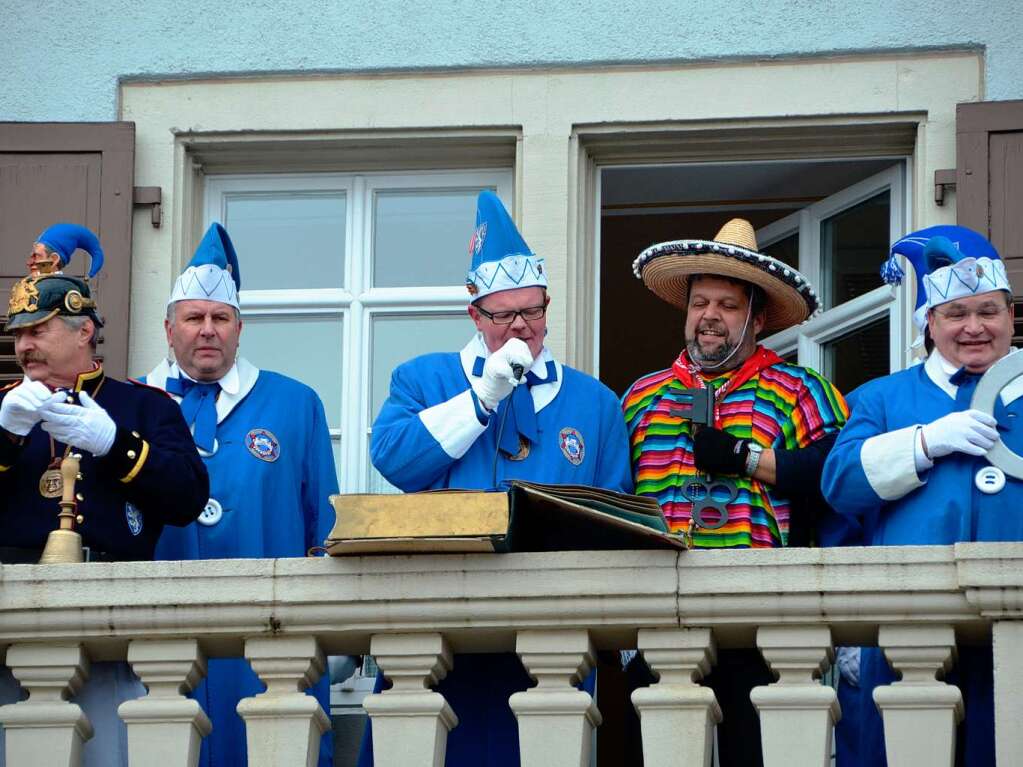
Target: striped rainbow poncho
[(783, 406)]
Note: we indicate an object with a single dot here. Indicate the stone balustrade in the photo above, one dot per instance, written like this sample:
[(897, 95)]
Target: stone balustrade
[(555, 610)]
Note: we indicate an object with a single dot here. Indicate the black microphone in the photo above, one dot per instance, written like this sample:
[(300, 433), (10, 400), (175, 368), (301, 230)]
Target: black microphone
[(517, 371)]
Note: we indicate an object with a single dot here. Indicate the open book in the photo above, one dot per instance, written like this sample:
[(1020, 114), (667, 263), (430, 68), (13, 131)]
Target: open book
[(528, 517)]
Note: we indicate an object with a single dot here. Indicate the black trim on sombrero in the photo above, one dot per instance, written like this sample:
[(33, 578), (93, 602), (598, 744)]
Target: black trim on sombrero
[(790, 297)]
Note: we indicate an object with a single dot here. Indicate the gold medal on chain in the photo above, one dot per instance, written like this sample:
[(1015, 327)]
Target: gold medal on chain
[(51, 484)]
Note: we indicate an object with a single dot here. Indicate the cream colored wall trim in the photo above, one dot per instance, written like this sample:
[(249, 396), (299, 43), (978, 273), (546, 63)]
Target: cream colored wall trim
[(547, 121)]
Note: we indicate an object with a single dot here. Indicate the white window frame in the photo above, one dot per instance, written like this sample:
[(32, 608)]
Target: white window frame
[(357, 304), (809, 340)]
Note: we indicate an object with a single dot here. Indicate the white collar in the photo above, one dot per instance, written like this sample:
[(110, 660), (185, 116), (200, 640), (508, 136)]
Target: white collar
[(940, 370), (543, 394), (235, 385), (230, 383)]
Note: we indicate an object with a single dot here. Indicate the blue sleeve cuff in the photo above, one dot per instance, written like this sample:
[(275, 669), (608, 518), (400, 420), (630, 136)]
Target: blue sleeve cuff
[(482, 415)]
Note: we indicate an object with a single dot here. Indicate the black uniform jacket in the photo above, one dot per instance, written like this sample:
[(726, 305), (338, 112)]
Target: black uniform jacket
[(151, 477)]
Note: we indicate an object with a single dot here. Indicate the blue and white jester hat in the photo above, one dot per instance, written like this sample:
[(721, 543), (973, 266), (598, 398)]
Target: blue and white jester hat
[(499, 257), (65, 239), (212, 274), (950, 262)]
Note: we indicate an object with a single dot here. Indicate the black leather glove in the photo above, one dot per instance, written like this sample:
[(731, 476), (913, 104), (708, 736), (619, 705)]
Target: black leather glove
[(718, 452)]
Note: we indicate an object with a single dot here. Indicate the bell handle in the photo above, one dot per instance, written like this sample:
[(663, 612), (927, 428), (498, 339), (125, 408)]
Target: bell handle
[(69, 473)]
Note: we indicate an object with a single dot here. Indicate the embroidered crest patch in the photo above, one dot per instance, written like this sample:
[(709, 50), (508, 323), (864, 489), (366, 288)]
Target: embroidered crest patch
[(572, 446), (134, 517), (263, 444), (476, 241)]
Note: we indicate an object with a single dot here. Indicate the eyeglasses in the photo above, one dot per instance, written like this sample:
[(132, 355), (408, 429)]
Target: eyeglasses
[(957, 315), (508, 317)]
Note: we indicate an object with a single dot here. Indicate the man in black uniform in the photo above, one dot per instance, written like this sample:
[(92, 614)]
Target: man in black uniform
[(139, 467)]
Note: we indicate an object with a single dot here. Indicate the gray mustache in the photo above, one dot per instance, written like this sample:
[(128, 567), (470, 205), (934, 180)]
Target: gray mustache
[(27, 357)]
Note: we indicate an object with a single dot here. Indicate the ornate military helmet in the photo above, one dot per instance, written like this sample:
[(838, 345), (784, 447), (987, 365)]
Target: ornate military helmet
[(46, 293), (37, 299)]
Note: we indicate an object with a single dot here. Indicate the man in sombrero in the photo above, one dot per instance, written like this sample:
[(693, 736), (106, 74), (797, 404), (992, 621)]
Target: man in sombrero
[(773, 424)]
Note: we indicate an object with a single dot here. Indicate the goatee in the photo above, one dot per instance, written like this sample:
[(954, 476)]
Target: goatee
[(712, 356)]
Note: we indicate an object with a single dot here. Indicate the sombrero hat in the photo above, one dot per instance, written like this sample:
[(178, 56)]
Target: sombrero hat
[(667, 267)]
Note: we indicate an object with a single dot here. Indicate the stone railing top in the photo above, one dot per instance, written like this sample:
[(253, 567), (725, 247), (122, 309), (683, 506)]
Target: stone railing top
[(479, 601)]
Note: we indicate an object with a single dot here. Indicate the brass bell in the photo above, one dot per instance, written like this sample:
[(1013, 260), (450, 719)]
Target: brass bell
[(64, 545)]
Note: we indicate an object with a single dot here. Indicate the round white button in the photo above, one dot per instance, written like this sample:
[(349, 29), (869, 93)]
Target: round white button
[(990, 480), (212, 513)]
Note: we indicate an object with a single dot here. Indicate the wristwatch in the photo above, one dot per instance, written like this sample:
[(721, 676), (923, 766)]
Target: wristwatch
[(753, 457)]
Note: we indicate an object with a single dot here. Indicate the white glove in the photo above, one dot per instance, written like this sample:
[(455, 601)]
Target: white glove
[(968, 431), (87, 426), (19, 411), (498, 378)]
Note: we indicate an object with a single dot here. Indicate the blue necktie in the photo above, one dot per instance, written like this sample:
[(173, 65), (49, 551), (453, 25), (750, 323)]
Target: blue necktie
[(522, 416), (967, 383), (199, 407)]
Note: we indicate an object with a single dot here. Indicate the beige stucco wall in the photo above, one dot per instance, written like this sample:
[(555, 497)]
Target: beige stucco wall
[(547, 111)]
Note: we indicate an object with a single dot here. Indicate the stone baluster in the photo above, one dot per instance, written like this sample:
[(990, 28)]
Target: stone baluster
[(165, 722), (677, 715), (410, 721), (1007, 646), (797, 712), (556, 720), (993, 579), (46, 729), (283, 725), (919, 712)]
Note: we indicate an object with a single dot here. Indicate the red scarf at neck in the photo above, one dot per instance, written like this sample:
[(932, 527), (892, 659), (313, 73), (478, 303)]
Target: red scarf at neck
[(689, 374)]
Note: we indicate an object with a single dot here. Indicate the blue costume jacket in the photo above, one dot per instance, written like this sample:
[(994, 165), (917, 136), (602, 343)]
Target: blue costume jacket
[(271, 473), (432, 434), (871, 477)]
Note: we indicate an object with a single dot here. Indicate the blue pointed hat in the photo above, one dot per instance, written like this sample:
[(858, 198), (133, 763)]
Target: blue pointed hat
[(950, 262), (499, 257), (65, 239), (213, 273)]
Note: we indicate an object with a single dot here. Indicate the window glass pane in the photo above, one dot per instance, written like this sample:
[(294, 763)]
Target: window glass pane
[(421, 237), (854, 243), (858, 357), (288, 240), (785, 250), (303, 348), (396, 339), (335, 448)]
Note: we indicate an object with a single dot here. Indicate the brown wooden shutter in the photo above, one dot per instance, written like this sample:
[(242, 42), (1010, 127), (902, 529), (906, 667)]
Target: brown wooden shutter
[(82, 173), (989, 182)]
